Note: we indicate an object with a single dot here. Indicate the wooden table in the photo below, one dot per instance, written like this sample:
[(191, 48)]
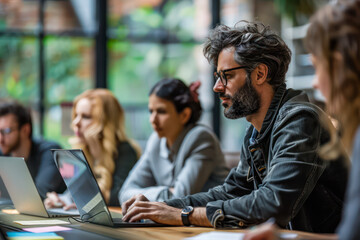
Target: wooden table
[(158, 233), (177, 233)]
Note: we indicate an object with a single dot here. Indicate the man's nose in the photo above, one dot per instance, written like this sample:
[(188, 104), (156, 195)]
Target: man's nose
[(218, 86)]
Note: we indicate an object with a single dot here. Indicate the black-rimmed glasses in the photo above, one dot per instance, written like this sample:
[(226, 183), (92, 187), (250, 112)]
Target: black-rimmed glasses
[(222, 74), (6, 131)]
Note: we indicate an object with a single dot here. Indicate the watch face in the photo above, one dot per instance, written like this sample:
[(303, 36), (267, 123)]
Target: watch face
[(187, 209)]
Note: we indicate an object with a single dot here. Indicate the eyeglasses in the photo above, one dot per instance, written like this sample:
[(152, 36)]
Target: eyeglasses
[(7, 131), (222, 75)]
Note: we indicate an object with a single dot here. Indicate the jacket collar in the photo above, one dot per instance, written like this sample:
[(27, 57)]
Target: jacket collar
[(165, 151), (271, 114)]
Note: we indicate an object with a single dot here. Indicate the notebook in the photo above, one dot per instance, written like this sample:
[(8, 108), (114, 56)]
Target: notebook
[(86, 194), (22, 190)]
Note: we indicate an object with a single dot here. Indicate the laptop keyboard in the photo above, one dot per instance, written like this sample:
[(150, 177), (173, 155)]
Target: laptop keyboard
[(59, 212)]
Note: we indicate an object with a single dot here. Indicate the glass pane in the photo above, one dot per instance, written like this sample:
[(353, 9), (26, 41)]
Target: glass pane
[(134, 17), (69, 72), (19, 73), (19, 68), (180, 20), (69, 67), (70, 15), (53, 124), (133, 69), (19, 14), (187, 20)]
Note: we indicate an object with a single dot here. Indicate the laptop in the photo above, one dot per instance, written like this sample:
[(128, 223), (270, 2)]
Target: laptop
[(86, 194), (4, 195), (23, 192)]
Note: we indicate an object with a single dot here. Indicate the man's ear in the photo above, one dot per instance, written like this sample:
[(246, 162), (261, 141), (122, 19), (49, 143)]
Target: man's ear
[(185, 115), (25, 130), (261, 72)]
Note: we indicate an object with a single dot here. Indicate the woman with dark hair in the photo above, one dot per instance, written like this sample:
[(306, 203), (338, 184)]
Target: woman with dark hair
[(182, 157)]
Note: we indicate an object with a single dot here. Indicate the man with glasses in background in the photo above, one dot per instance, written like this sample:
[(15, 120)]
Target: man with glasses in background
[(280, 175), (16, 141)]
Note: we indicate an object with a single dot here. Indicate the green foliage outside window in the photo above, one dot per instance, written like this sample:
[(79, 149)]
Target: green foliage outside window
[(147, 45), (19, 69)]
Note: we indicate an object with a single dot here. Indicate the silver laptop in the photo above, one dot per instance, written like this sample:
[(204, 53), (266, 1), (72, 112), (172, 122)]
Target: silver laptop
[(85, 191), (22, 190)]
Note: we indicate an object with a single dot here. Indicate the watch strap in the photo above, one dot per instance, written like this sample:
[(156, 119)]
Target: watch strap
[(185, 213)]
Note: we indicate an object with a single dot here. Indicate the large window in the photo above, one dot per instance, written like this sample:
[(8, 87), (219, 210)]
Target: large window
[(46, 58), (52, 50)]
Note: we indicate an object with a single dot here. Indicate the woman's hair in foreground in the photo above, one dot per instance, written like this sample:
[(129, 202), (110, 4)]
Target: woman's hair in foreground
[(108, 126), (334, 32), (182, 96), (254, 43)]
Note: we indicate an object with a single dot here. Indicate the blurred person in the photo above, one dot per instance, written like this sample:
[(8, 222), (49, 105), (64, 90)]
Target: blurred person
[(280, 173), (98, 121), (182, 157), (16, 140), (333, 39)]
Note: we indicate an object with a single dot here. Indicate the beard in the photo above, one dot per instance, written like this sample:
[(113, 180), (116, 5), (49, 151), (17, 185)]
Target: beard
[(246, 101), (11, 147)]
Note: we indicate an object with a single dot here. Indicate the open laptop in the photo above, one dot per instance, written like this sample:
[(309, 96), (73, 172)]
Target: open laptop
[(4, 195), (85, 191), (23, 192)]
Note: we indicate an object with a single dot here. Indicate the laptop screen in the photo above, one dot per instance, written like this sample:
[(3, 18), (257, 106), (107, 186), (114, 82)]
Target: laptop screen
[(82, 185)]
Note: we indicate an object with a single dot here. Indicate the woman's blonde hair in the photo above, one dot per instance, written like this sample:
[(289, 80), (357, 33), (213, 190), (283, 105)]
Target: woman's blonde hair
[(334, 32), (109, 127)]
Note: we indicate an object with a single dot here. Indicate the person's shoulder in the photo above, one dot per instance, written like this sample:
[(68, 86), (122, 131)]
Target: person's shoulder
[(153, 143), (153, 139), (299, 105), (44, 145), (201, 132), (202, 128), (125, 147), (126, 151)]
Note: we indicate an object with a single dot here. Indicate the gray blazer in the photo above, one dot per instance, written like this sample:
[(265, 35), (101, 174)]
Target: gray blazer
[(195, 163)]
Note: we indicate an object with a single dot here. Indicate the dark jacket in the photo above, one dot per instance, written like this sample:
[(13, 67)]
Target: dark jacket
[(280, 174)]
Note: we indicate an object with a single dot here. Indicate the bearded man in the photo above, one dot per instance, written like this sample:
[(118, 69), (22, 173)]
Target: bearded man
[(16, 141), (280, 174)]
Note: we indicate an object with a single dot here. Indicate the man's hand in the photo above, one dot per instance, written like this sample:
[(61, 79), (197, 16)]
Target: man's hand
[(157, 211), (125, 206), (139, 207)]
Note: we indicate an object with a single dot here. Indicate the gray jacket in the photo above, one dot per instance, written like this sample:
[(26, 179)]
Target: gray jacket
[(280, 174), (194, 163)]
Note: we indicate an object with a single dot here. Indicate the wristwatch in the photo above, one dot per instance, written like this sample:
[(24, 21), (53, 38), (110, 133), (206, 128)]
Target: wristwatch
[(185, 213)]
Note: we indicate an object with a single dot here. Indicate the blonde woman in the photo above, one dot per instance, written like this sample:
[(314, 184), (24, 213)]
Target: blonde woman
[(98, 122)]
